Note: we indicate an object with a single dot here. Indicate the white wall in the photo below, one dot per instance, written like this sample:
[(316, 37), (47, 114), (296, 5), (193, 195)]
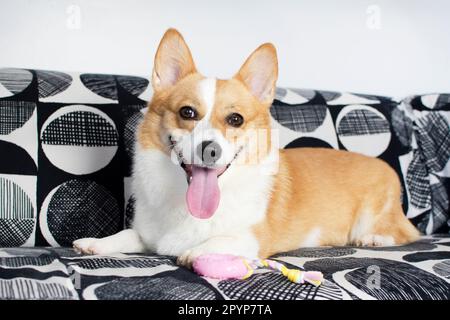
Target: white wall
[(393, 47)]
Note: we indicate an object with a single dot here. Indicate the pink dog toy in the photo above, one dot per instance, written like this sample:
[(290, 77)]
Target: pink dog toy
[(225, 266)]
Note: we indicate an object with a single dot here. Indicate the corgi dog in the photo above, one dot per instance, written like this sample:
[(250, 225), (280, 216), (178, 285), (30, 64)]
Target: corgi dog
[(200, 188)]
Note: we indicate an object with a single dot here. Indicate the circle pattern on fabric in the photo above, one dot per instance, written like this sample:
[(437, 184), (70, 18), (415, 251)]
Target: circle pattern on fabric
[(79, 139), (27, 261), (16, 214), (14, 114), (398, 281), (129, 212), (330, 95), (102, 84), (305, 93), (14, 81), (293, 96), (442, 268), (274, 286), (18, 160), (133, 85), (355, 122), (154, 288), (301, 118), (51, 83), (79, 209), (308, 142), (129, 135)]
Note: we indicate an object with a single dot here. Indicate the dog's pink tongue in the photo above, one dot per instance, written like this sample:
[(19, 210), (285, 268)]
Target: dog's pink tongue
[(203, 193)]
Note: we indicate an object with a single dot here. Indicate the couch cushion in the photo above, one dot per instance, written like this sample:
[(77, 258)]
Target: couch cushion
[(68, 141), (367, 124), (416, 271), (427, 165)]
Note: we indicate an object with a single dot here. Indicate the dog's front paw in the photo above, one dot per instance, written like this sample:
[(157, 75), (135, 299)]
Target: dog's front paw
[(188, 257), (90, 246)]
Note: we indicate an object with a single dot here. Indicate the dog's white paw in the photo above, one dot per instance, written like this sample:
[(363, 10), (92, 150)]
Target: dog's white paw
[(92, 246), (376, 240), (188, 257)]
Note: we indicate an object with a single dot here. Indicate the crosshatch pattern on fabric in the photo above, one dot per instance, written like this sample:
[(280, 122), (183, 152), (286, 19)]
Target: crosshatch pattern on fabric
[(299, 118), (51, 83), (362, 122), (14, 201), (82, 208), (16, 214), (80, 129), (14, 114)]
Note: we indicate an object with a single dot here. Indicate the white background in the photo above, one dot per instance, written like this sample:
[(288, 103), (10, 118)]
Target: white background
[(391, 47)]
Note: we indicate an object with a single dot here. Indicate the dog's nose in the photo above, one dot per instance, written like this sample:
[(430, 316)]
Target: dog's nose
[(209, 151)]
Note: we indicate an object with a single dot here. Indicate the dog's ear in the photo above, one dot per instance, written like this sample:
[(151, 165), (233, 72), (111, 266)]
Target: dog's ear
[(260, 72), (173, 61)]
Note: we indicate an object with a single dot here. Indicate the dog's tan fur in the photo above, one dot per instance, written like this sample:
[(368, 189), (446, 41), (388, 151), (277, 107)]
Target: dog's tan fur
[(359, 185)]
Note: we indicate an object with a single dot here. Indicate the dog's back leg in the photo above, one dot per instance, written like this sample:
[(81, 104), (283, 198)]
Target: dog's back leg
[(387, 226)]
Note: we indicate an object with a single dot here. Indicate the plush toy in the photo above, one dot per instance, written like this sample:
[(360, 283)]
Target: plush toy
[(224, 266)]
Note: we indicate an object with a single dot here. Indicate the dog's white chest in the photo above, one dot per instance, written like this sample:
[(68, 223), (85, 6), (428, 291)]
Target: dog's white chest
[(162, 219)]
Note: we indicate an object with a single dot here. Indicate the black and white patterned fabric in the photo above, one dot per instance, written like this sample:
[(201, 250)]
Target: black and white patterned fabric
[(420, 270), (66, 144), (427, 165)]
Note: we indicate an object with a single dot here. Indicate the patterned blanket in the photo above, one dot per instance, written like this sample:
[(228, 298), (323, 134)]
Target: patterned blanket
[(420, 270)]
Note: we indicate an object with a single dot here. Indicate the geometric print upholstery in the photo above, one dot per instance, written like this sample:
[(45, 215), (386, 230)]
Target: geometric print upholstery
[(428, 162), (66, 167), (415, 271)]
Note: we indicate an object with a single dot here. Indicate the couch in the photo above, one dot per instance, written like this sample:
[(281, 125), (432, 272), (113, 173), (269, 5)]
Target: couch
[(66, 146)]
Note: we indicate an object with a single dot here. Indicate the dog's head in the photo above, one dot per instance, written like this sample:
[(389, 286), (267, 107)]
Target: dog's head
[(205, 124)]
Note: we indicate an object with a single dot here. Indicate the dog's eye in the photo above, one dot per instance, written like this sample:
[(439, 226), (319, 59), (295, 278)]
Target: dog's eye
[(188, 113), (235, 120)]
